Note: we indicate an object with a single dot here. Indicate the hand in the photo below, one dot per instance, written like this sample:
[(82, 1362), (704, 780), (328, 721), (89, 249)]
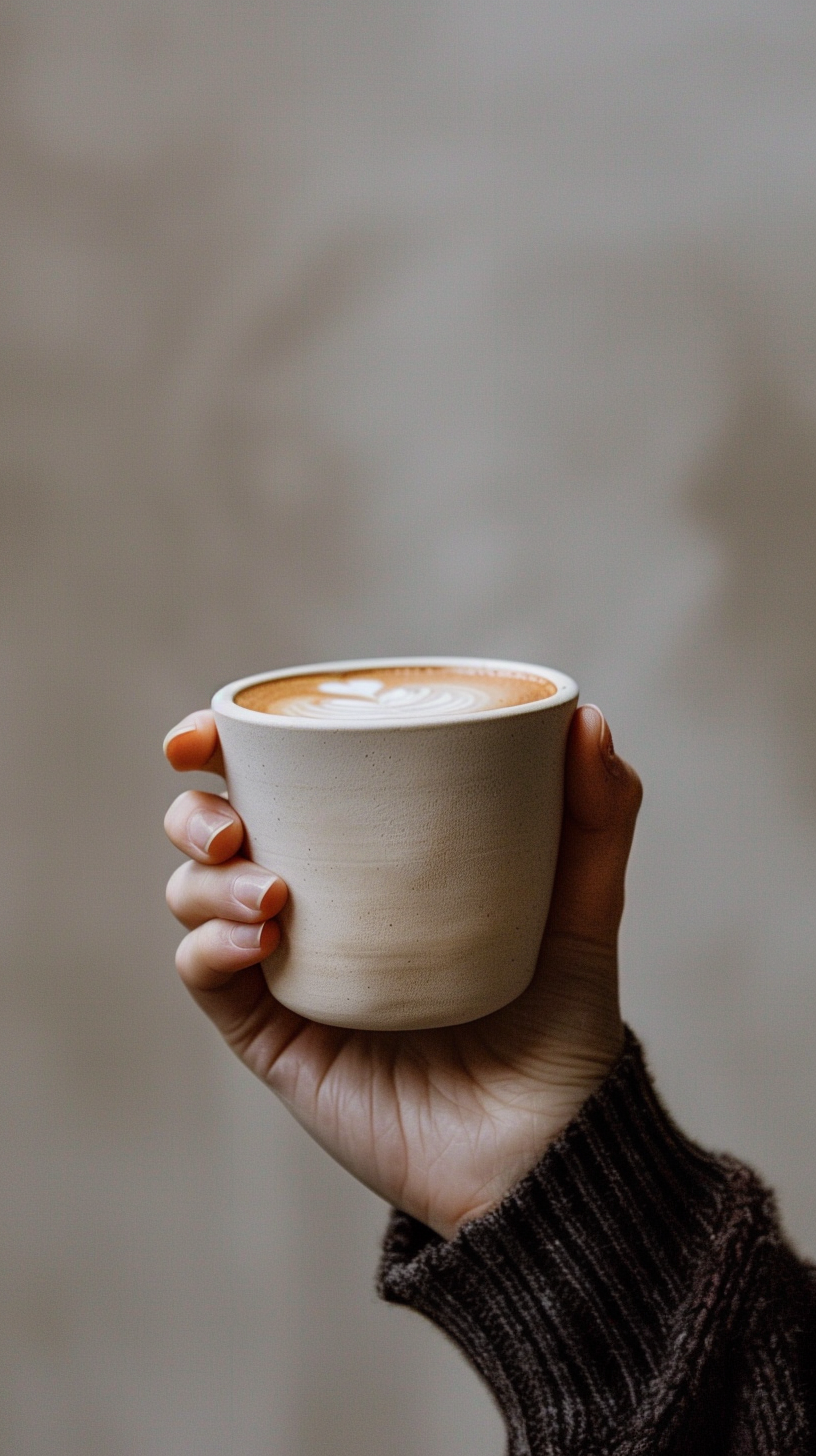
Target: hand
[(440, 1123)]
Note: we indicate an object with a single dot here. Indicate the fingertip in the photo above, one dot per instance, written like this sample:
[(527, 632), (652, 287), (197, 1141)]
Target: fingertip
[(601, 800), (585, 757), (192, 743), (270, 939), (213, 954), (275, 897), (600, 788), (592, 738), (588, 726), (220, 842)]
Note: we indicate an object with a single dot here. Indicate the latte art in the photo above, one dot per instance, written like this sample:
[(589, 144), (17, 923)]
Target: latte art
[(393, 694), (337, 703)]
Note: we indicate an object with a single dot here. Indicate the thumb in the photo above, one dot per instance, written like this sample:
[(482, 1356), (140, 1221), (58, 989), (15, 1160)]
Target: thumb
[(570, 1014), (602, 796)]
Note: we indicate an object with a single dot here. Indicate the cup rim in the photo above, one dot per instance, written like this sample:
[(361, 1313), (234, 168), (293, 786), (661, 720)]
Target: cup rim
[(223, 701)]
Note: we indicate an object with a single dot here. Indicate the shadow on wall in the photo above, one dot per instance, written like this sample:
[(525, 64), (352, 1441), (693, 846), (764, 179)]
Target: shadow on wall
[(756, 495)]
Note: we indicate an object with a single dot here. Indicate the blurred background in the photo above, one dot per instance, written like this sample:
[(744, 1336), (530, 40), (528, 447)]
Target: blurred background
[(342, 327)]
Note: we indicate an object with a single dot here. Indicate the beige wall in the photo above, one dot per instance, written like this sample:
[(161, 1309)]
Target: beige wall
[(340, 327)]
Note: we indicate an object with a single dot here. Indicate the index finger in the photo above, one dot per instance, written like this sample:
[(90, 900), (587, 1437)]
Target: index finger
[(193, 744)]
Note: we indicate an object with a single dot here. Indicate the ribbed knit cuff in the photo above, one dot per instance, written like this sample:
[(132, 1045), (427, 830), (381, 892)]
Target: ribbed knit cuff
[(586, 1293)]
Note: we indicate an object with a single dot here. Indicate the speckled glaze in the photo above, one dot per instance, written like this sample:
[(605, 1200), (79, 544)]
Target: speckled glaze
[(419, 856)]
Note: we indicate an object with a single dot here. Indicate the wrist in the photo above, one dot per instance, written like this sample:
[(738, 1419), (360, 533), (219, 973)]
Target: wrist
[(602, 1268), (567, 1083)]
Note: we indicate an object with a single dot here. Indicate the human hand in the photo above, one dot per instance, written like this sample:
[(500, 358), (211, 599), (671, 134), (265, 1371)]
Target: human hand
[(440, 1123)]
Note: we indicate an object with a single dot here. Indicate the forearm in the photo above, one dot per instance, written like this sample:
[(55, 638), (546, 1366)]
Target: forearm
[(632, 1294)]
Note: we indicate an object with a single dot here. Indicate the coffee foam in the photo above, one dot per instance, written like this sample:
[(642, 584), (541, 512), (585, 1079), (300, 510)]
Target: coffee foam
[(393, 694)]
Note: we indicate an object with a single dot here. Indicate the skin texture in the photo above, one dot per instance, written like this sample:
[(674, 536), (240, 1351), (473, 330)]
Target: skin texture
[(441, 1124)]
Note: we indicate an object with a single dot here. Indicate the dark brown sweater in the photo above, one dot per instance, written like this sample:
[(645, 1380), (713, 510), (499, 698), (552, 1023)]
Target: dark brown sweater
[(632, 1295)]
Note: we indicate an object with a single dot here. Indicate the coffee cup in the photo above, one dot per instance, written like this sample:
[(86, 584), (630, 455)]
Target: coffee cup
[(413, 807)]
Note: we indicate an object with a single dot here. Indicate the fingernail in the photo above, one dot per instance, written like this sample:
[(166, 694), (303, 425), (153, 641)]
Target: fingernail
[(252, 889), (606, 747), (247, 937), (603, 727), (187, 725), (205, 826)]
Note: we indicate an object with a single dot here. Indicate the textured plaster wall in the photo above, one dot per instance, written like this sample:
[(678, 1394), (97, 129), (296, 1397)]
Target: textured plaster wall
[(342, 328)]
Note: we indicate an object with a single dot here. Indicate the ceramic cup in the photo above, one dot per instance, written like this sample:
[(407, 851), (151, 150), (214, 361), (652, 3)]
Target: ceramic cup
[(419, 856)]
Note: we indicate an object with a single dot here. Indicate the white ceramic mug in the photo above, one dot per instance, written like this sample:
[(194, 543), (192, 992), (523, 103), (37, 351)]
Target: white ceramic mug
[(419, 857)]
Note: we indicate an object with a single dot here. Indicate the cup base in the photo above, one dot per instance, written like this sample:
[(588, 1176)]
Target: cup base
[(410, 1014)]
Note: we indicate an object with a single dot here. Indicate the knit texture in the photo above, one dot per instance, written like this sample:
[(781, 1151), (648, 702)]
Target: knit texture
[(633, 1294)]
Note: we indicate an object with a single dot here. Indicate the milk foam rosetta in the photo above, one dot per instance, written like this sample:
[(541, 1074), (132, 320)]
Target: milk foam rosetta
[(393, 694)]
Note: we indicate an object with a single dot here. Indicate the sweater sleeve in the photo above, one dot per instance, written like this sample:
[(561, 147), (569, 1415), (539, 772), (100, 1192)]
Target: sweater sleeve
[(632, 1295)]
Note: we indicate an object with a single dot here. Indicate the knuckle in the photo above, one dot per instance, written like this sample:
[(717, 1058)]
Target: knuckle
[(183, 802), (194, 957), (177, 814), (183, 961), (635, 790), (630, 789), (177, 893)]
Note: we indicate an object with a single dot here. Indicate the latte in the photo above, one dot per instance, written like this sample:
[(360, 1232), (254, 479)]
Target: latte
[(394, 694), (374, 787)]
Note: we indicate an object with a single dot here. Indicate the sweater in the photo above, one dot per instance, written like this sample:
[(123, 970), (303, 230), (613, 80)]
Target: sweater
[(632, 1295)]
